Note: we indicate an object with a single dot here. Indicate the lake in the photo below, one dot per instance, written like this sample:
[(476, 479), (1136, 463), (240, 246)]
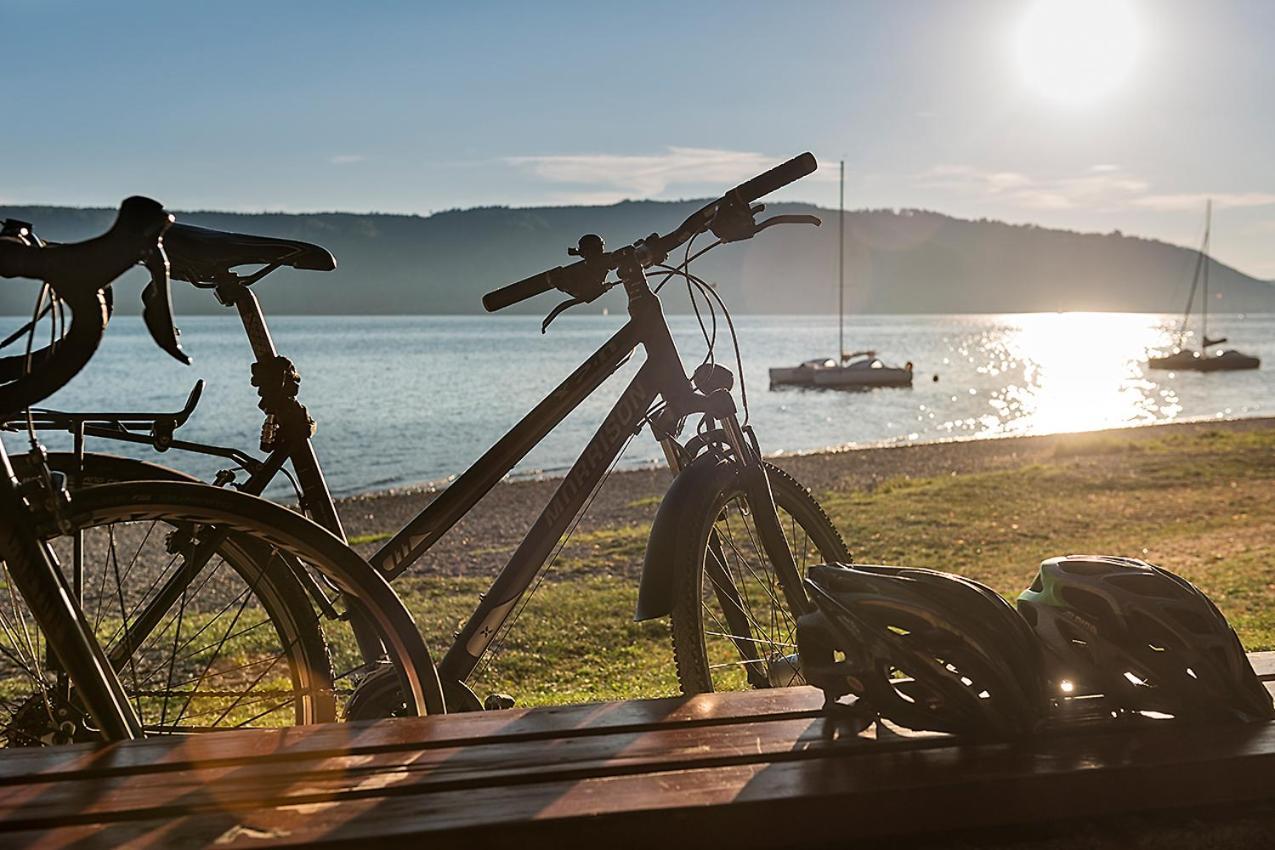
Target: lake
[(415, 399)]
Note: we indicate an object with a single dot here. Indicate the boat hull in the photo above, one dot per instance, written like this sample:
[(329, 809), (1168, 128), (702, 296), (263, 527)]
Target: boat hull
[(1190, 361), (840, 378), (799, 376)]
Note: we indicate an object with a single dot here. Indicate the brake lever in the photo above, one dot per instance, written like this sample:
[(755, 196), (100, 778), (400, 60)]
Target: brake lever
[(787, 219), (558, 311), (573, 302), (157, 305), (735, 222)]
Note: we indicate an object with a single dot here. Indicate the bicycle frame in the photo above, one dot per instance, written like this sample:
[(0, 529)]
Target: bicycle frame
[(660, 376)]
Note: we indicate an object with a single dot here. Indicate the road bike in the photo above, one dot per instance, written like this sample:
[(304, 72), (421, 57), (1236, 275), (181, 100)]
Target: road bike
[(157, 607), (732, 535)]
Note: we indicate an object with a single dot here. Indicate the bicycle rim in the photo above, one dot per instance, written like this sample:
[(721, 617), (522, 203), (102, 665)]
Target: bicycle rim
[(732, 629)]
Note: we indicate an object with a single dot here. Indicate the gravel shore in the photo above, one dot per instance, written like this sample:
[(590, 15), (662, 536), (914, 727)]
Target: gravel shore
[(481, 542)]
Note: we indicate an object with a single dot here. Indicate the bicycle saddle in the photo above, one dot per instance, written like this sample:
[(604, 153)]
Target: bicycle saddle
[(204, 255)]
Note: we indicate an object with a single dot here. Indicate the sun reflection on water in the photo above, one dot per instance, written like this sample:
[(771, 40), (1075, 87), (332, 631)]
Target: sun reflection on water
[(1073, 372)]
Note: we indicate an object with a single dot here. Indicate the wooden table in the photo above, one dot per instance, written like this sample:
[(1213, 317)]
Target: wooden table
[(757, 769)]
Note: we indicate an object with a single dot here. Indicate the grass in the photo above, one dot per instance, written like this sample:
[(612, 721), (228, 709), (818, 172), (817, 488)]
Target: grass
[(1201, 505), (575, 642), (364, 539)]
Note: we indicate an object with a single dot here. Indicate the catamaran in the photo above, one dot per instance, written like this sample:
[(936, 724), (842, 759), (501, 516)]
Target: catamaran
[(1183, 358), (854, 369)]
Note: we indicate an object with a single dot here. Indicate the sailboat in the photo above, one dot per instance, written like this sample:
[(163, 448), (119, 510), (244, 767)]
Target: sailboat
[(855, 369), (1186, 359)]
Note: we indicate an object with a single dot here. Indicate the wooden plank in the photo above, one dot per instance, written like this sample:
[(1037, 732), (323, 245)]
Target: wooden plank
[(872, 794), (259, 784), (749, 765), (702, 710)]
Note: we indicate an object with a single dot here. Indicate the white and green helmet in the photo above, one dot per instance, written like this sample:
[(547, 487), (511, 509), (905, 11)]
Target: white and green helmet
[(1145, 638)]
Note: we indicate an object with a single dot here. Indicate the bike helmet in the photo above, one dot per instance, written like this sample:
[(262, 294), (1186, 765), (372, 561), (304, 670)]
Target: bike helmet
[(924, 649), (1145, 638)]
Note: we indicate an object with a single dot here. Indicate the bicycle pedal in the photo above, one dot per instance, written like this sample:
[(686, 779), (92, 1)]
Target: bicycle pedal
[(498, 702)]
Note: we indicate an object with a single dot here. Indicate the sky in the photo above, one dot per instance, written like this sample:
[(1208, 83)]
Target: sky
[(1092, 115)]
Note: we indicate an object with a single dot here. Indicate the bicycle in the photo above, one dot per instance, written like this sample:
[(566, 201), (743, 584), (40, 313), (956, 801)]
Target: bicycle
[(697, 572), (70, 670)]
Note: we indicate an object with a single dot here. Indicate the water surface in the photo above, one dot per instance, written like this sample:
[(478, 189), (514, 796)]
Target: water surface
[(407, 400)]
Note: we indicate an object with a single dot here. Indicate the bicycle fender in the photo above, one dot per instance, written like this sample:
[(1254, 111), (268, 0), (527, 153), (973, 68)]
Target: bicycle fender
[(101, 468), (688, 498)]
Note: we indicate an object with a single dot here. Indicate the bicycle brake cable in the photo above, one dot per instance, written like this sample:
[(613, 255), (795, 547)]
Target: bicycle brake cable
[(734, 336), (36, 315)]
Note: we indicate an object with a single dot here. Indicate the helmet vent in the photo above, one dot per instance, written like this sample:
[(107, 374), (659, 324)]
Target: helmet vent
[(1086, 568), (1146, 584), (1088, 603), (1193, 621), (1152, 633), (1038, 584)]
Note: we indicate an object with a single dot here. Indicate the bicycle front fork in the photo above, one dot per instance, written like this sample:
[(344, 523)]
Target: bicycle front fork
[(761, 500)]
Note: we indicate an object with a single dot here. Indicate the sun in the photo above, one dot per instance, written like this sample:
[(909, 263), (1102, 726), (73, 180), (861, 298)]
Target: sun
[(1077, 50)]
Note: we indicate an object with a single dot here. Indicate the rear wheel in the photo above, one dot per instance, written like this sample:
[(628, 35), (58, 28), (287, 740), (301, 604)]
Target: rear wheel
[(732, 629), (196, 594)]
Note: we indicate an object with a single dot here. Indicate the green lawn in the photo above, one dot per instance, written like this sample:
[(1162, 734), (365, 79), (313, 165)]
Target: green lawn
[(1200, 505)]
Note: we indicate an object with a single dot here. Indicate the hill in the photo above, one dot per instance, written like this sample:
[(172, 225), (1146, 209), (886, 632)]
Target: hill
[(898, 261)]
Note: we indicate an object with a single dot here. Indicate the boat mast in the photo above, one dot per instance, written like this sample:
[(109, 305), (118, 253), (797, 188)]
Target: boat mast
[(1204, 258), (841, 265)]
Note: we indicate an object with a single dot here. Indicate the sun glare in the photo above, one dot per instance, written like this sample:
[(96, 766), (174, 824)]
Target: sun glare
[(1077, 50)]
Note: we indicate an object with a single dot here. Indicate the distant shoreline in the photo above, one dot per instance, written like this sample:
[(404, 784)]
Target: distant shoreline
[(557, 474)]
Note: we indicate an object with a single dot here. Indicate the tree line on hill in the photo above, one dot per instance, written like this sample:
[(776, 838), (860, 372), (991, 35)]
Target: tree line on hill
[(897, 261)]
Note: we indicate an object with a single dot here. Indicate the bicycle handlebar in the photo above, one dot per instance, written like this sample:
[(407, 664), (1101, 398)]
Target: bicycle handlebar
[(590, 272), (79, 273), (776, 178), (528, 287)]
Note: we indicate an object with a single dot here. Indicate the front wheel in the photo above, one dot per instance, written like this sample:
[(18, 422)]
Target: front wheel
[(732, 629)]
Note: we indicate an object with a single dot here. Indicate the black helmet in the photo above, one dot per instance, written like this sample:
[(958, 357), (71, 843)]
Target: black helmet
[(971, 664), (1146, 639)]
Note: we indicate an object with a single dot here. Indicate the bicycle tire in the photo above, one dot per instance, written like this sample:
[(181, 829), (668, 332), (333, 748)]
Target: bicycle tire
[(100, 468), (699, 649), (313, 544), (252, 522)]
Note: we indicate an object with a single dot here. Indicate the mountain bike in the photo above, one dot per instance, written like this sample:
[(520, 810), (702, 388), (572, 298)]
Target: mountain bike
[(184, 607), (730, 539)]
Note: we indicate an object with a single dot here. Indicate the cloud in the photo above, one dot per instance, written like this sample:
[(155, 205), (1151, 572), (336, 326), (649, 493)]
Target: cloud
[(1194, 201), (1101, 186), (617, 176), (346, 158)]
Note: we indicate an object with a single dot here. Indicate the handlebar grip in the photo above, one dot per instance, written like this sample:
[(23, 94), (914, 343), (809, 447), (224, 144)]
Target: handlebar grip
[(506, 296), (776, 178)]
